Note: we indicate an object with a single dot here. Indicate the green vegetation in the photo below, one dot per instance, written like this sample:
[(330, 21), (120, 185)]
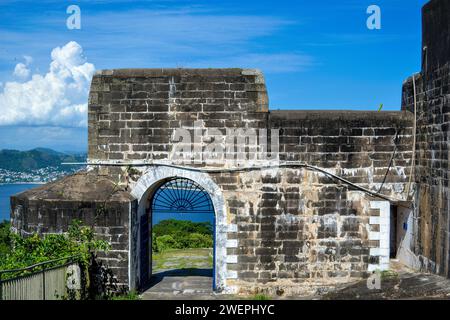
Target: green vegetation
[(182, 259), (17, 252), (180, 234), (388, 275), (260, 296), (172, 226), (23, 161), (20, 252), (132, 295), (5, 240)]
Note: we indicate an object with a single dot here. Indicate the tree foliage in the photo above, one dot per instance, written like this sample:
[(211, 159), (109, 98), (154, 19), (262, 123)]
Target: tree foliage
[(5, 239), (172, 226), (78, 242), (180, 234), (37, 158)]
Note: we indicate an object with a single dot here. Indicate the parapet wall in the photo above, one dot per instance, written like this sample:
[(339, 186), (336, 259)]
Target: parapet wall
[(132, 113), (134, 116), (360, 146)]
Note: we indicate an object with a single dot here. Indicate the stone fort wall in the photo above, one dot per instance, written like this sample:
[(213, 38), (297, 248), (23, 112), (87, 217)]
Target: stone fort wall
[(292, 224), (315, 213), (432, 88)]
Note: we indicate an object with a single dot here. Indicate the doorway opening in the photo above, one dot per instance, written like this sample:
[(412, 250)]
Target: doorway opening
[(181, 237), (393, 239), (401, 234)]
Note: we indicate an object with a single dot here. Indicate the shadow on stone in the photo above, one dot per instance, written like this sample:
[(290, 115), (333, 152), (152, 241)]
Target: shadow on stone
[(187, 272)]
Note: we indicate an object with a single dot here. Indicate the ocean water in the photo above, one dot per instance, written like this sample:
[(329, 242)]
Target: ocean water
[(7, 190), (194, 217)]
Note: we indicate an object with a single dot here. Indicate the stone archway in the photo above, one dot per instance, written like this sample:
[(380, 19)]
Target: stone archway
[(146, 186)]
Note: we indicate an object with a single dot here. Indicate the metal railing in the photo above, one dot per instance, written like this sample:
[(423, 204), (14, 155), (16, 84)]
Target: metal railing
[(42, 281)]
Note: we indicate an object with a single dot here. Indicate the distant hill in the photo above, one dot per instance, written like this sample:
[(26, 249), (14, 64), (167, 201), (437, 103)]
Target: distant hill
[(23, 161)]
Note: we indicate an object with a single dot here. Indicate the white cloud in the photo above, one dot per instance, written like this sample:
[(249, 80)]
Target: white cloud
[(21, 71), (28, 60), (57, 98)]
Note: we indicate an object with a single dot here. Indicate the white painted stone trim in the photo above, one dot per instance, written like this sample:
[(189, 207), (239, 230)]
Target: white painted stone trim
[(373, 267), (383, 221), (232, 243), (373, 235), (374, 220), (385, 245), (232, 258)]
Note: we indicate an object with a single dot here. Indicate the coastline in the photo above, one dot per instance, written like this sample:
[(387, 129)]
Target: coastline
[(9, 189), (19, 183)]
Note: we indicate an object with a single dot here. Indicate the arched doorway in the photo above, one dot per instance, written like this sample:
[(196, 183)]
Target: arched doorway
[(180, 235), (181, 196), (145, 190)]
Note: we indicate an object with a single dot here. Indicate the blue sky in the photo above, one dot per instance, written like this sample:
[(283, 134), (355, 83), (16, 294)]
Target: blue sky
[(315, 55)]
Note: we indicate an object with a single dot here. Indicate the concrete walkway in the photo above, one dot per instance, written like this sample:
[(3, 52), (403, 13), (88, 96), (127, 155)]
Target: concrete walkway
[(180, 284), (400, 283)]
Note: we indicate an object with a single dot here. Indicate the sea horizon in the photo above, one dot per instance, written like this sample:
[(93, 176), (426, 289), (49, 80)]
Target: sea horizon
[(9, 189)]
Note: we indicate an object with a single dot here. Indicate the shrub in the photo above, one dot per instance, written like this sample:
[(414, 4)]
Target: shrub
[(184, 227), (197, 240), (5, 239), (154, 244), (260, 296), (194, 240), (166, 242), (132, 295), (25, 251), (180, 234)]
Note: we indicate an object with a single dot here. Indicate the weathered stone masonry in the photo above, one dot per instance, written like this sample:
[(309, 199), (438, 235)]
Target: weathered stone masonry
[(432, 86), (291, 225), (91, 198), (284, 226), (279, 229)]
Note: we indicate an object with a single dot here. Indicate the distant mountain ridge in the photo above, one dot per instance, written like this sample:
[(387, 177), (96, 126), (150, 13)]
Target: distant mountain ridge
[(23, 161)]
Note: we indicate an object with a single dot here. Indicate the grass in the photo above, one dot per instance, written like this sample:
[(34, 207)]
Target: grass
[(260, 296), (132, 295), (388, 275), (182, 259)]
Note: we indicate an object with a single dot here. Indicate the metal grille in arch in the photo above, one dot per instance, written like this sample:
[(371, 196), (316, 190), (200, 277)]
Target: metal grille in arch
[(183, 196)]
